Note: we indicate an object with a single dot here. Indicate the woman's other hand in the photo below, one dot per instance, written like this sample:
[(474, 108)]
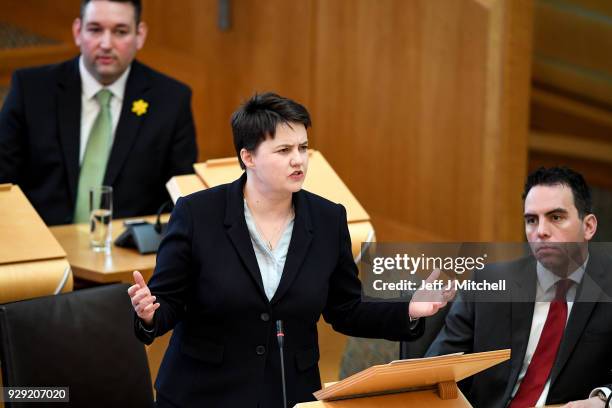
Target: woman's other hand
[(143, 302)]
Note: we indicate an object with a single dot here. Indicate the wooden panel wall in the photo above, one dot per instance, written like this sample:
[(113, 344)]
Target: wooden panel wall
[(420, 105), (428, 96), (49, 18), (268, 47), (571, 104), (573, 47)]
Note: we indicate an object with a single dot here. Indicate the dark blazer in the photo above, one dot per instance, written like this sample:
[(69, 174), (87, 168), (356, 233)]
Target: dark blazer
[(585, 354), (223, 351), (40, 127)]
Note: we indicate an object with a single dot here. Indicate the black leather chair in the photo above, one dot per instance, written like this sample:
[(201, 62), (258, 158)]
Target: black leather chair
[(83, 340)]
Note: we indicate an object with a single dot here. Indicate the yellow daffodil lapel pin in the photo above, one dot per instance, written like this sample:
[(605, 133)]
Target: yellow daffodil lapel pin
[(140, 107)]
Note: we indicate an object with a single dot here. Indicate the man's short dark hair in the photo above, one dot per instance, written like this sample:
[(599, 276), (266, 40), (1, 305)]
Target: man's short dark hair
[(563, 176), (258, 118), (136, 3)]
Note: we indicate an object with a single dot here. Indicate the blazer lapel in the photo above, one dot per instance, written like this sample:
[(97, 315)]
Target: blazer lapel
[(69, 122), (523, 293), (239, 233), (129, 122), (298, 247), (587, 295)]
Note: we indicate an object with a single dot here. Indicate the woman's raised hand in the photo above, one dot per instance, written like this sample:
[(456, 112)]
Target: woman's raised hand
[(142, 300)]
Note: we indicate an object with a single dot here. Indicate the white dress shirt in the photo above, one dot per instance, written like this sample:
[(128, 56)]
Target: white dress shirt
[(90, 107), (545, 293)]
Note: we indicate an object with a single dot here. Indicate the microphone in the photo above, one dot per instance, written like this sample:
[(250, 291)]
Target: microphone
[(158, 225), (280, 337)]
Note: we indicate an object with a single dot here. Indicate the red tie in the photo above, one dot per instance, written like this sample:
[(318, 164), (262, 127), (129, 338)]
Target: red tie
[(542, 361)]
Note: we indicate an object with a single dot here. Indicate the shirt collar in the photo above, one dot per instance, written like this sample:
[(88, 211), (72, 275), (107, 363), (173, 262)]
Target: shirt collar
[(91, 86), (547, 279)]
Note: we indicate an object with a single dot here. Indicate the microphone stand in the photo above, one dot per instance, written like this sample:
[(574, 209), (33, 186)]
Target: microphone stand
[(280, 336)]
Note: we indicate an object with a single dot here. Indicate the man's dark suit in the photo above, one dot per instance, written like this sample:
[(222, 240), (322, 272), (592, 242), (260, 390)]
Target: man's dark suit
[(40, 126), (224, 352), (585, 354)]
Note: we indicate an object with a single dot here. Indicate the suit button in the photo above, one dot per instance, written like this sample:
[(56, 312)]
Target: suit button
[(264, 316), (260, 350)]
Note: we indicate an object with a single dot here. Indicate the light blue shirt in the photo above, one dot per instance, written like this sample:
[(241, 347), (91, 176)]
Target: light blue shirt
[(271, 262)]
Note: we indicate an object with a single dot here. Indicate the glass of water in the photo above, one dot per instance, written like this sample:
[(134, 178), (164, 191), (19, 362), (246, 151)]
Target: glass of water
[(101, 215)]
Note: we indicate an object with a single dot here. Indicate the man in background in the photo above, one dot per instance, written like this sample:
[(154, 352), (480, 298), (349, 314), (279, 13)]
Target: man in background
[(558, 325), (102, 118)]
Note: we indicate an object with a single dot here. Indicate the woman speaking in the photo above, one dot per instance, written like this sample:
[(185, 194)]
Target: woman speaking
[(241, 256)]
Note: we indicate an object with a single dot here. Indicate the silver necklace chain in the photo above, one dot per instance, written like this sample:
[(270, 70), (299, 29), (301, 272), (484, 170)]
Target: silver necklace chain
[(278, 230)]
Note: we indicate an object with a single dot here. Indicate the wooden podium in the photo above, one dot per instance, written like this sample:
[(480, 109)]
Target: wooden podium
[(32, 262), (419, 382), (321, 179)]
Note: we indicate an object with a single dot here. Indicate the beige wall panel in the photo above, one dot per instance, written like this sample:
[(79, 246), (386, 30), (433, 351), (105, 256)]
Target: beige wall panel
[(509, 171), (410, 109), (268, 47)]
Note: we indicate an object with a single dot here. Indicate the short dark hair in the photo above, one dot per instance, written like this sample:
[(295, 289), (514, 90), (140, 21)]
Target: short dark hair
[(567, 177), (136, 3), (258, 118)]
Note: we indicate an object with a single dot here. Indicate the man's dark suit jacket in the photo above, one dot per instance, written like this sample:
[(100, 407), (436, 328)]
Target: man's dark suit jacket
[(40, 126), (224, 351), (585, 354)]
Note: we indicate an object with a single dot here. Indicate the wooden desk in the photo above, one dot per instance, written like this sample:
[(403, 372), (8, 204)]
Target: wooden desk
[(99, 267)]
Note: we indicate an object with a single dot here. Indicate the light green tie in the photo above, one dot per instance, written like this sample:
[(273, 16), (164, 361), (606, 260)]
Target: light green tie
[(96, 156)]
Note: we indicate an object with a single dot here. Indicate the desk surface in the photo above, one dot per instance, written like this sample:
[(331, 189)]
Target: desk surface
[(99, 267), (19, 225)]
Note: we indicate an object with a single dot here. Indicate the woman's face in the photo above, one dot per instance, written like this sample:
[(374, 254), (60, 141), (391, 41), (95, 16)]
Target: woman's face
[(279, 165)]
